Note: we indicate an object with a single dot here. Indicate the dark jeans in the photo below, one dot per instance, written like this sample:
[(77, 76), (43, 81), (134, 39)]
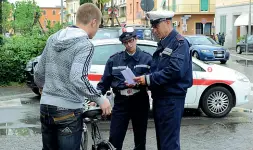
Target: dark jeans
[(61, 128), (136, 108), (168, 113)]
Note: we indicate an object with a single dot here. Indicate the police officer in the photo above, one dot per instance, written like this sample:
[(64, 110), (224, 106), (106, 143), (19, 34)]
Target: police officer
[(131, 101), (171, 76)]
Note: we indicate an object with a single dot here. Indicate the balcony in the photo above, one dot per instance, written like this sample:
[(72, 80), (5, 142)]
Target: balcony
[(192, 9)]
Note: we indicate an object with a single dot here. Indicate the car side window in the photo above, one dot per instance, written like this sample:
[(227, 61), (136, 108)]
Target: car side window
[(196, 67), (103, 52), (147, 48)]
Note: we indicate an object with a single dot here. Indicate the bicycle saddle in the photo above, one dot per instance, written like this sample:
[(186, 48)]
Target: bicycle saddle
[(92, 112)]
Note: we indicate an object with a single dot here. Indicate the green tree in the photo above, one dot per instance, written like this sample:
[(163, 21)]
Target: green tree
[(24, 15), (100, 3), (85, 1), (6, 16)]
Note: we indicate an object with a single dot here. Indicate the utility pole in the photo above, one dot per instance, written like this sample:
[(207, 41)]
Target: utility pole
[(112, 13), (249, 31), (61, 11)]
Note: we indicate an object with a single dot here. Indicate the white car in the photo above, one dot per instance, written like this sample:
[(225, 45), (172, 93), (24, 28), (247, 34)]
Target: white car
[(216, 89)]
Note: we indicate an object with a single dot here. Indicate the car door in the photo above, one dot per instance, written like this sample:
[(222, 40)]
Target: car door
[(192, 91), (250, 42)]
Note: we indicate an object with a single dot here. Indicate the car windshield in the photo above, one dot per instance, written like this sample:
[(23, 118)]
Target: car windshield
[(202, 41), (103, 52), (105, 34)]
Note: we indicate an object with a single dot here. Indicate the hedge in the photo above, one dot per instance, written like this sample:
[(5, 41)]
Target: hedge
[(17, 51)]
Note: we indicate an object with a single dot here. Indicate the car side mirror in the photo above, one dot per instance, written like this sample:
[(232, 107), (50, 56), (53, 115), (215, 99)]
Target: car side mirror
[(190, 44)]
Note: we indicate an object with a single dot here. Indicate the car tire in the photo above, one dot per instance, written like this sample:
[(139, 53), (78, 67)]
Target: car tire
[(212, 104), (195, 54), (223, 61), (36, 91), (238, 50)]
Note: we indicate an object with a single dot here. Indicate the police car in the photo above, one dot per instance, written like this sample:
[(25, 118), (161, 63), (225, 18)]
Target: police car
[(216, 89)]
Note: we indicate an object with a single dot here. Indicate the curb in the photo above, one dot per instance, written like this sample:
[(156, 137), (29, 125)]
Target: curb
[(239, 109)]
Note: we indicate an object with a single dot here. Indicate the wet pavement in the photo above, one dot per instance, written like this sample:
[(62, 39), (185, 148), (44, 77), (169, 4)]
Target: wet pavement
[(20, 129), (20, 125)]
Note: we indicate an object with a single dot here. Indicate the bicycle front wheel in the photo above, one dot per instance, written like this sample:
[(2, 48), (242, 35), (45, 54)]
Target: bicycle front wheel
[(84, 140)]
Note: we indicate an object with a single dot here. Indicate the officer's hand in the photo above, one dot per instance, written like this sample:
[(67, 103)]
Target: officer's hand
[(129, 85), (140, 80), (106, 107)]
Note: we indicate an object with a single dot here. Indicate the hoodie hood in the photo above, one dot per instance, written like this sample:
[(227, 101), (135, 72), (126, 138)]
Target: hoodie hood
[(67, 37)]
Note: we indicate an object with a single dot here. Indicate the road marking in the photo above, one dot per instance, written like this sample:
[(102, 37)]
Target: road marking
[(15, 96), (240, 57), (10, 103)]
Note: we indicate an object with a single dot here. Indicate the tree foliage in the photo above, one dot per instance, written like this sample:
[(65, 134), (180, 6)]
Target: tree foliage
[(7, 8), (24, 15), (19, 49)]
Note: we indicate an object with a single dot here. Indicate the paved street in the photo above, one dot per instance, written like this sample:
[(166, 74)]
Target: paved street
[(20, 125)]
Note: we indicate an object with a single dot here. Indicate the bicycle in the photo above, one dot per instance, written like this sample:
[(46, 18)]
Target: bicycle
[(92, 115)]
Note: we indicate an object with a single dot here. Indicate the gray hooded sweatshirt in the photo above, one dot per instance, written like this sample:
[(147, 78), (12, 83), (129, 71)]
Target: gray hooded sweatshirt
[(63, 69)]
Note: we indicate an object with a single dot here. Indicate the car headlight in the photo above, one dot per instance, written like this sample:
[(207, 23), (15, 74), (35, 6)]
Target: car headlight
[(241, 77), (29, 65), (205, 51)]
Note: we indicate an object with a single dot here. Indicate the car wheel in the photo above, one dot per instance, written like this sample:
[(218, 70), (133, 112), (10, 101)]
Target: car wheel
[(223, 61), (195, 54), (36, 91), (238, 50), (217, 102)]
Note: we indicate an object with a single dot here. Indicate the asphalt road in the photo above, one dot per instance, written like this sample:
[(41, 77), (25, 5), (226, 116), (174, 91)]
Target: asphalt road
[(20, 129), (20, 125)]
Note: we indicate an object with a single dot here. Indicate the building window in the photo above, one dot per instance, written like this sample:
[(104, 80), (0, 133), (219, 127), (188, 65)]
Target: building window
[(223, 24), (131, 8), (44, 12), (204, 4), (137, 6), (206, 31), (53, 12), (53, 22), (174, 5)]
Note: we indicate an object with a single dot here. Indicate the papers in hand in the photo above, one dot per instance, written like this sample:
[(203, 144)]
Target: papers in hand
[(129, 76)]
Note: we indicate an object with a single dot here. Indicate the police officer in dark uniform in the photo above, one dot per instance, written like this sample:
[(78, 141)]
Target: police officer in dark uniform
[(131, 101), (171, 76)]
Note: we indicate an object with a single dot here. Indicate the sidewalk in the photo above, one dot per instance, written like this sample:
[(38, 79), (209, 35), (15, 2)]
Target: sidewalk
[(14, 90)]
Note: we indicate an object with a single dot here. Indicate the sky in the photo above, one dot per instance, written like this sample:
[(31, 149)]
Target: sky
[(44, 3)]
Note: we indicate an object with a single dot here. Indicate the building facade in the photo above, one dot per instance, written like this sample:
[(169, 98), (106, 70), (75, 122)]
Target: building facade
[(71, 10), (231, 17), (52, 14), (192, 17), (121, 13)]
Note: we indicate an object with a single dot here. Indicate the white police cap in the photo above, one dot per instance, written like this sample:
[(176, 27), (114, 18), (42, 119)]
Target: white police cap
[(162, 14)]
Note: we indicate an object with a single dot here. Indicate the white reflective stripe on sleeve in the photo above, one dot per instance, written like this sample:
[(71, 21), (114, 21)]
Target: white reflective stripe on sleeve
[(143, 66), (119, 67), (147, 77)]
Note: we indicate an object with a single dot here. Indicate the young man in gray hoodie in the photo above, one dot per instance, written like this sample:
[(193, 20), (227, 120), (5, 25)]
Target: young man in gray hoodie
[(62, 73)]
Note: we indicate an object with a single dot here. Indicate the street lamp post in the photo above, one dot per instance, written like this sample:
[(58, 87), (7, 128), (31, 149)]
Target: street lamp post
[(249, 31), (61, 11)]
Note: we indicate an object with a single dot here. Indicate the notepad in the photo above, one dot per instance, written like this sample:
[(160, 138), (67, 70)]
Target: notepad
[(129, 76)]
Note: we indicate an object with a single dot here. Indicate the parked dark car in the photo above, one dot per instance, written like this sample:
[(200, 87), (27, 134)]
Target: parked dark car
[(241, 45), (206, 49), (29, 72)]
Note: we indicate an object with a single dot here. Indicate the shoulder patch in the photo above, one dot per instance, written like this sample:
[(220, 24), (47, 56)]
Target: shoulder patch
[(179, 37), (115, 54)]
